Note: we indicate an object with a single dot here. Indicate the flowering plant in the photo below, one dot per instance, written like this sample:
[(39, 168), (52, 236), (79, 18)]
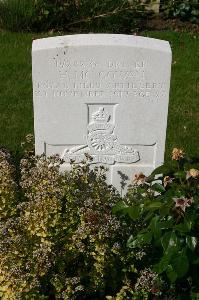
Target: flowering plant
[(64, 235), (166, 204), (58, 236)]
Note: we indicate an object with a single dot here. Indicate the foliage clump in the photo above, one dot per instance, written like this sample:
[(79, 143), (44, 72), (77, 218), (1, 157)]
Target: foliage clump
[(71, 15), (185, 10), (7, 186), (61, 238), (166, 203), (69, 235)]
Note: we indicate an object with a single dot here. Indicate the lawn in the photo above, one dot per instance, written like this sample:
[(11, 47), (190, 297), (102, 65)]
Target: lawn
[(16, 119)]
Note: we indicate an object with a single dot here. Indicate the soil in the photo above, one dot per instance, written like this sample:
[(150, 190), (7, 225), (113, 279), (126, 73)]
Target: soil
[(158, 23)]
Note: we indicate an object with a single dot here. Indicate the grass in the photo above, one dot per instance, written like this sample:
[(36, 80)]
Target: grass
[(16, 109)]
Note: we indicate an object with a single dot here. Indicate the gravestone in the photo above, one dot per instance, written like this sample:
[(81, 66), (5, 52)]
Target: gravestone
[(105, 95)]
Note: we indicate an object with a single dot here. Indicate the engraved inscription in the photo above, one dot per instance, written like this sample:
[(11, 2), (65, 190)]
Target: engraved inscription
[(110, 79), (140, 90), (102, 144)]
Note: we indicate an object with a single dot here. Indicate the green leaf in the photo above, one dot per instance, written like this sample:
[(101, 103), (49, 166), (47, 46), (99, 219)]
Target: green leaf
[(119, 206), (158, 170), (140, 240), (141, 190), (154, 205), (133, 212), (169, 240), (166, 224), (194, 20), (146, 237), (195, 12), (155, 228), (165, 169), (171, 274), (46, 12), (180, 174), (180, 264), (164, 209), (148, 216), (194, 296), (157, 187), (183, 227), (163, 264), (150, 178), (130, 243), (196, 261), (191, 242)]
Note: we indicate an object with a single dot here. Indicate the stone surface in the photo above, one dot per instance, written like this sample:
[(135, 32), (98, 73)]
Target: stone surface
[(102, 94)]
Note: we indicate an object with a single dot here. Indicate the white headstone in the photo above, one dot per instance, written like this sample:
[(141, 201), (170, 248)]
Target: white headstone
[(105, 95)]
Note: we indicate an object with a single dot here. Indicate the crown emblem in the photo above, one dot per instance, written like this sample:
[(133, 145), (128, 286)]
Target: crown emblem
[(101, 116)]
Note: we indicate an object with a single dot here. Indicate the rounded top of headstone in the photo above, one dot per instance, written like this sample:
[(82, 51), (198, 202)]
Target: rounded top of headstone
[(101, 40)]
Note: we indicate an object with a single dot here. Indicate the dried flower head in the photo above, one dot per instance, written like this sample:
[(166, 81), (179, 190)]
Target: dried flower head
[(139, 179), (182, 202), (167, 180), (194, 173), (177, 154)]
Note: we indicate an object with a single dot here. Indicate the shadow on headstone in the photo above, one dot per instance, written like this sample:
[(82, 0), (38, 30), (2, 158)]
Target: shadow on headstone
[(124, 180)]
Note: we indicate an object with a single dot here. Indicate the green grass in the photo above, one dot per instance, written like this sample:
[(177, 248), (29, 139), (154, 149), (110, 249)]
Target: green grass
[(16, 109), (183, 118)]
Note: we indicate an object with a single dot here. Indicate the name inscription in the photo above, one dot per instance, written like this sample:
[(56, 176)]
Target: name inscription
[(115, 79)]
